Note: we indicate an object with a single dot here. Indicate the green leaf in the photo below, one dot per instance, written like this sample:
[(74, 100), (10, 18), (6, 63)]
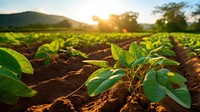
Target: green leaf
[(43, 51), (166, 52), (41, 55), (56, 44), (181, 96), (100, 63), (191, 54), (140, 62), (162, 77), (8, 98), (15, 61), (116, 51), (155, 50), (47, 60), (96, 73), (78, 53), (117, 64), (136, 51), (103, 82), (166, 62), (154, 60), (126, 59), (177, 78), (10, 87), (152, 88), (9, 73)]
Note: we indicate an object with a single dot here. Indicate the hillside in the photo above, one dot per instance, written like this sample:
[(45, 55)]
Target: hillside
[(147, 26), (30, 17)]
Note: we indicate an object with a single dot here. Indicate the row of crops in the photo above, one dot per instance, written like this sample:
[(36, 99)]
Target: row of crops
[(13, 64), (143, 63), (91, 39), (144, 66), (190, 41)]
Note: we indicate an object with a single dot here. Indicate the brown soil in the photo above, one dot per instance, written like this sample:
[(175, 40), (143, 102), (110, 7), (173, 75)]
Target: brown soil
[(56, 81), (191, 67)]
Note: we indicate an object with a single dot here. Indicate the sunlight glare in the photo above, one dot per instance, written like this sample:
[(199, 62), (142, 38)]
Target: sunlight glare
[(101, 8)]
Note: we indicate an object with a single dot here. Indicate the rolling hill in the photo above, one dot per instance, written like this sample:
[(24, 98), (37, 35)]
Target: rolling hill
[(30, 17)]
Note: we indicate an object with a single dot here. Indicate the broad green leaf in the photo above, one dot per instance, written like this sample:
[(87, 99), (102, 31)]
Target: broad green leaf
[(8, 98), (181, 96), (116, 51), (177, 78), (43, 51), (161, 76), (136, 50), (117, 64), (126, 59), (78, 53), (103, 82), (140, 62), (154, 60), (152, 88), (15, 61), (155, 50), (41, 55), (9, 73), (100, 63), (169, 86), (166, 62), (54, 46), (98, 72), (13, 87), (47, 60), (166, 52), (191, 54)]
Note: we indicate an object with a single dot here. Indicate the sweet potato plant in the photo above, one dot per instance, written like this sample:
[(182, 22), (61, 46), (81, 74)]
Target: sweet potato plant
[(145, 73), (50, 51)]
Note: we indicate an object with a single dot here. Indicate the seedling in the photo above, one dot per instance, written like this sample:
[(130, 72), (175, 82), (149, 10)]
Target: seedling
[(157, 40), (8, 39), (50, 51), (145, 73)]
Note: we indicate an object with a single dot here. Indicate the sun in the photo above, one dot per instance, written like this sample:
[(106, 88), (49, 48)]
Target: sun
[(100, 8)]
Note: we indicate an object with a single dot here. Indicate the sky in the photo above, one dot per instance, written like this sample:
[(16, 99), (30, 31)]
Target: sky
[(84, 10)]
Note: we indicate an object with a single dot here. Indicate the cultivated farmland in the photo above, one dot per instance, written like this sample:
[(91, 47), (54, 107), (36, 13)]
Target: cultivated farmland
[(107, 72)]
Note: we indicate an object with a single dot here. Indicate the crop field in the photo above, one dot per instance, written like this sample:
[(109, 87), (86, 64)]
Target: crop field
[(99, 72)]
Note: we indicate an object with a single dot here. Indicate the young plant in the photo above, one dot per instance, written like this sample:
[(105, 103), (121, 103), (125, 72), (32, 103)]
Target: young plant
[(195, 49), (191, 41), (8, 39), (73, 52), (145, 73), (12, 65), (49, 51), (157, 40)]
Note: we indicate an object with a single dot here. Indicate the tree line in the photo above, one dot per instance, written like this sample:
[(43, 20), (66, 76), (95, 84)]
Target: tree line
[(39, 26), (63, 24), (173, 19)]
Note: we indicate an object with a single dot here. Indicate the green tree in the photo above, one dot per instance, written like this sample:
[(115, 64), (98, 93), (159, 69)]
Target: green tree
[(127, 21), (38, 25), (160, 24), (173, 18), (63, 24), (104, 25), (197, 11), (196, 25)]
